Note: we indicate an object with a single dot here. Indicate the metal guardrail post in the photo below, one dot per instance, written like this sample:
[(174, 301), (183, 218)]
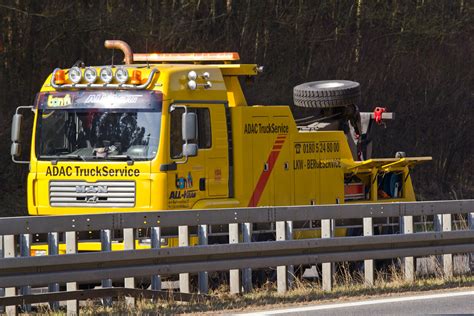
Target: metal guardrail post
[(155, 236), (443, 223), (9, 247), (470, 221), (72, 306), (447, 258), (234, 277), (282, 285), (247, 272), (284, 231), (290, 271), (368, 229), (183, 238), (106, 245), (53, 249), (406, 227), (327, 231), (438, 227), (2, 290), (203, 283), (438, 222), (129, 244), (25, 247)]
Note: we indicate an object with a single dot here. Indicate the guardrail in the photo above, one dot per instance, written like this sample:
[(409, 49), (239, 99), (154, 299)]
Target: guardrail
[(18, 270)]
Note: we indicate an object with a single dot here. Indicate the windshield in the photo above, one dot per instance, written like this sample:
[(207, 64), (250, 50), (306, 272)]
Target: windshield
[(76, 133)]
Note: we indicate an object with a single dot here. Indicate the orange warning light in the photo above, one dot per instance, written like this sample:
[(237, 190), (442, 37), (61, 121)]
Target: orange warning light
[(136, 77), (59, 77)]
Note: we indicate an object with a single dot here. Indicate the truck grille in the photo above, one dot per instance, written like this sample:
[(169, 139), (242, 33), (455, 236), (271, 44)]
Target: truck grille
[(92, 194)]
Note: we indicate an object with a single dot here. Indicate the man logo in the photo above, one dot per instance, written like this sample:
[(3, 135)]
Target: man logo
[(91, 189)]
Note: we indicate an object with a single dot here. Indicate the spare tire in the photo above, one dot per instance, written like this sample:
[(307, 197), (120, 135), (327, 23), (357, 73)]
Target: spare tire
[(326, 94)]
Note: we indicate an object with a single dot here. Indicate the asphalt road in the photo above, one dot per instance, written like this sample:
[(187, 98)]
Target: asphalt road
[(449, 302)]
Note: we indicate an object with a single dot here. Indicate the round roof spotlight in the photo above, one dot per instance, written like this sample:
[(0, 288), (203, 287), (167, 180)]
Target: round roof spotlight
[(106, 74), (192, 75), (206, 75), (90, 74), (75, 74), (121, 75), (208, 85), (192, 85)]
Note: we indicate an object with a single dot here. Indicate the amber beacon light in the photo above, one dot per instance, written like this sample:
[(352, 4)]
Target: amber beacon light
[(173, 57), (60, 77), (136, 77)]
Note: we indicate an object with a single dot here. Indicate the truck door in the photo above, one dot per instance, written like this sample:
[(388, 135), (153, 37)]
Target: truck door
[(217, 156), (206, 174)]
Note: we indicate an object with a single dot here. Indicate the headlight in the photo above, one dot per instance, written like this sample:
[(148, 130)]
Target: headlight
[(75, 74), (90, 74), (121, 75), (106, 74)]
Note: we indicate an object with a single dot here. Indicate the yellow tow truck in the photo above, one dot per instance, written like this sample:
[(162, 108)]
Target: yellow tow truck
[(174, 131)]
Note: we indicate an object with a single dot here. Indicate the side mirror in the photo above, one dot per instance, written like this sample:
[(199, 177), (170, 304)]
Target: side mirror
[(15, 150), (16, 127), (190, 150), (189, 123)]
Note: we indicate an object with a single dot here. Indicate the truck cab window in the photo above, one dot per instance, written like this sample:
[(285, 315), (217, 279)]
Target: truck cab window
[(204, 130)]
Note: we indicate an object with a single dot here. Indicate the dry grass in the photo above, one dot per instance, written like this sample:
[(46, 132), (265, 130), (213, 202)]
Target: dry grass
[(348, 285), (302, 293)]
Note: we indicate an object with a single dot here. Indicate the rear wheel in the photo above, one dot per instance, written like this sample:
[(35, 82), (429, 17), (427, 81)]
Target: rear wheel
[(326, 94)]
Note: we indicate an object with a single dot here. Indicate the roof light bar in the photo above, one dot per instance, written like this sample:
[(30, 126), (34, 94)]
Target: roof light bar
[(102, 85), (168, 57)]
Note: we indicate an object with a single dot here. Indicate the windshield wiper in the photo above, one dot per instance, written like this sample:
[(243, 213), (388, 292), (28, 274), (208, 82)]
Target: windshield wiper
[(55, 158), (130, 160)]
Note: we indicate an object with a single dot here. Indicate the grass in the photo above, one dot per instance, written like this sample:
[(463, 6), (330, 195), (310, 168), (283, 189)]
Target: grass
[(303, 292), (348, 286)]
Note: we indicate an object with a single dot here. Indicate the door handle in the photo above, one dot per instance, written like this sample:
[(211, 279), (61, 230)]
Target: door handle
[(202, 184)]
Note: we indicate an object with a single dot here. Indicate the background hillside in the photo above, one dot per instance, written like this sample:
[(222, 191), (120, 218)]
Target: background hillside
[(414, 57)]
